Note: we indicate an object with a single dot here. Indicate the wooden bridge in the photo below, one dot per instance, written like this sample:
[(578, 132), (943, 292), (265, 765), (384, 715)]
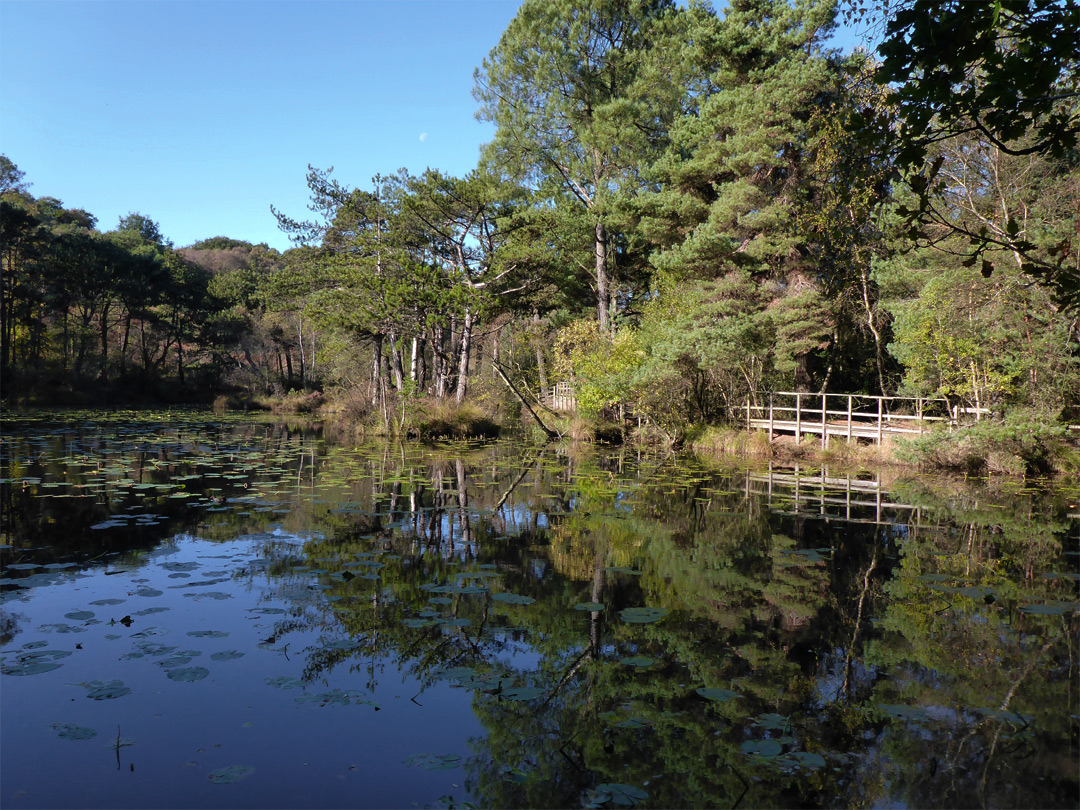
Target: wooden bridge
[(846, 499), (852, 416)]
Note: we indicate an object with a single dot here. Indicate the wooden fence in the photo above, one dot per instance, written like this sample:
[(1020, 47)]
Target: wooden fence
[(560, 397), (852, 416)]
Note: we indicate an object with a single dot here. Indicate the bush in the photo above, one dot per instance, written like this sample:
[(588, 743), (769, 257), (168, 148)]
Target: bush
[(1025, 442)]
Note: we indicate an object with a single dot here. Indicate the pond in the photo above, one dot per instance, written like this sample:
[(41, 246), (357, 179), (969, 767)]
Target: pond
[(209, 611)]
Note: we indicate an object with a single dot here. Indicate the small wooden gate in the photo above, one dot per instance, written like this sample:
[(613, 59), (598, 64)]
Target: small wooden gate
[(560, 397)]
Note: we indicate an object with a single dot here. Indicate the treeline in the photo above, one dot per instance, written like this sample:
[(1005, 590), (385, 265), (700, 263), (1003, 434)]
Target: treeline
[(679, 211), (90, 315)]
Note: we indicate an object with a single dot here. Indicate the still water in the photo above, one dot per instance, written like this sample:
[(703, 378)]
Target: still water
[(203, 611)]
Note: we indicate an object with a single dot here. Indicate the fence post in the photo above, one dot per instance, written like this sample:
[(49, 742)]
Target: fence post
[(879, 404), (824, 425), (919, 410), (849, 431), (770, 417), (798, 417)]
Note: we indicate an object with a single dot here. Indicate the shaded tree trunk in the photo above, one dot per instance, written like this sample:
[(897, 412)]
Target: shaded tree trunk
[(376, 368)]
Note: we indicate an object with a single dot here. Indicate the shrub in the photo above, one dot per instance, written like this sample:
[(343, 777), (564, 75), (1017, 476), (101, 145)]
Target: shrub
[(1025, 442)]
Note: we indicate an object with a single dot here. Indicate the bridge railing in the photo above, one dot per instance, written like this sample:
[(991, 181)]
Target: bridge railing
[(559, 397), (849, 415)]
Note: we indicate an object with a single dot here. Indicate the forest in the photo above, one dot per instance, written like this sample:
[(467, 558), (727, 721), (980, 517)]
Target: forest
[(681, 211)]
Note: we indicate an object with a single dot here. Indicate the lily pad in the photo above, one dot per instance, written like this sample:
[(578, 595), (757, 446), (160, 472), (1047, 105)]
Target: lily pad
[(31, 667), (1058, 609), (522, 693), (615, 794), (208, 633), (762, 748), (808, 759), (643, 615), (913, 713), (468, 589), (233, 773), (174, 661), (226, 655), (433, 762), (284, 682), (718, 695), (513, 598), (592, 607), (219, 595), (105, 690), (772, 721), (637, 661), (180, 566), (69, 731), (189, 674)]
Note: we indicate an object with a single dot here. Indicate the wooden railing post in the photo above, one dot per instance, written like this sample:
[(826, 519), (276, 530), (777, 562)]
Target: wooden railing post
[(880, 402), (824, 425), (770, 417), (748, 413), (798, 417), (849, 422)]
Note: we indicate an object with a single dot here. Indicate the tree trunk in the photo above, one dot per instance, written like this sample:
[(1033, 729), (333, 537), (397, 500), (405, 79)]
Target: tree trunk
[(396, 364), (439, 360), (376, 368), (124, 345), (463, 361), (541, 366), (303, 356), (603, 295), (180, 355), (452, 354), (104, 328), (879, 350)]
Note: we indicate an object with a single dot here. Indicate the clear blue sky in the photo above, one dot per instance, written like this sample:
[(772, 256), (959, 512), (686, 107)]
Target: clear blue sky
[(200, 115)]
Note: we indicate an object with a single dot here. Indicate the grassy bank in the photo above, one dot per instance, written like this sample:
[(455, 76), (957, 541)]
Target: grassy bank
[(1018, 446)]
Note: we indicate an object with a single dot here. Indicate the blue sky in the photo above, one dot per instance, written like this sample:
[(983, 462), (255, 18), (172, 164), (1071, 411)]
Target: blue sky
[(201, 114)]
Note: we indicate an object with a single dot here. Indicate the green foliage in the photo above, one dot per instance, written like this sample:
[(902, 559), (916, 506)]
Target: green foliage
[(734, 172), (601, 365), (1003, 73), (581, 93), (982, 343), (710, 345), (1025, 442)]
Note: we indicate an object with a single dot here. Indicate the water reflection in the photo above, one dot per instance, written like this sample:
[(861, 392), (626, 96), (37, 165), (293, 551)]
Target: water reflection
[(536, 626)]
